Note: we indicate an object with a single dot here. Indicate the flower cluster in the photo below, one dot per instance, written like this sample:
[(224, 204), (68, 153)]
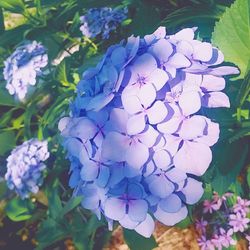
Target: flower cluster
[(23, 66), (135, 138), (25, 167), (101, 21), (223, 219)]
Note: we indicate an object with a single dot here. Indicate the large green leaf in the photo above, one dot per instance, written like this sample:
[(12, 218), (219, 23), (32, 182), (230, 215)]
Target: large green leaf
[(7, 141), (16, 6), (19, 210), (232, 34), (138, 242)]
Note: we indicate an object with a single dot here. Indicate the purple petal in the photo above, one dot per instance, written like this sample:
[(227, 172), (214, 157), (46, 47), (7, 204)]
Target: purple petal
[(146, 228), (126, 222), (192, 191), (115, 141), (118, 120), (114, 208), (158, 78), (213, 83), (193, 158), (162, 159), (144, 64), (185, 34), (89, 171), (137, 154), (190, 102), (146, 94), (100, 101), (170, 219), (185, 48), (215, 100), (192, 127), (176, 175), (212, 134), (148, 137), (162, 50), (131, 101), (171, 204), (137, 210), (136, 124), (157, 112), (202, 51), (224, 71), (164, 189), (178, 61)]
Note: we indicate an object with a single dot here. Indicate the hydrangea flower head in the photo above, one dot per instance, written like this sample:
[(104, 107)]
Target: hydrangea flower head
[(25, 167), (135, 138), (23, 66), (101, 21)]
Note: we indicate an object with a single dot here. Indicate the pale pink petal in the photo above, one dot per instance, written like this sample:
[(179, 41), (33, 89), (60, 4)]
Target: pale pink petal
[(136, 124), (193, 158), (136, 155), (114, 147), (158, 78), (213, 83), (190, 102), (162, 159), (215, 100), (178, 61), (192, 127), (146, 94), (148, 137), (202, 51), (157, 112)]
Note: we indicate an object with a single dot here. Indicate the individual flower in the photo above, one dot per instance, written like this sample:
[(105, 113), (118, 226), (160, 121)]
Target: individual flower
[(239, 222), (242, 206), (205, 244), (201, 225), (135, 137), (23, 66), (25, 167), (101, 21)]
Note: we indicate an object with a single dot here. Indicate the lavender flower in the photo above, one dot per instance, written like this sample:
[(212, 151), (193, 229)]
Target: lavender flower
[(25, 167), (239, 222), (101, 21), (242, 206), (135, 137), (23, 67)]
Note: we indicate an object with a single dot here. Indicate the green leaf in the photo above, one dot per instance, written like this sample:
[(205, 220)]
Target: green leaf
[(138, 242), (248, 177), (61, 74), (244, 88), (71, 204), (55, 204), (8, 141), (16, 6), (232, 34), (19, 210), (2, 27), (231, 159), (5, 98), (146, 20)]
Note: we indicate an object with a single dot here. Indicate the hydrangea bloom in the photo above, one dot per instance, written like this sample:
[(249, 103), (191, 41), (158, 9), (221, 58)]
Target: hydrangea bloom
[(23, 66), (25, 167), (136, 138), (223, 223), (101, 21)]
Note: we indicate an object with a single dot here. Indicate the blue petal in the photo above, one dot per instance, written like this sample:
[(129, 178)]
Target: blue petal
[(115, 208), (171, 204), (170, 219), (137, 210)]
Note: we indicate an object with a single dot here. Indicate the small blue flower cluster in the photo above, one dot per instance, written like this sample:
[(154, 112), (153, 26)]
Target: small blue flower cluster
[(136, 139), (25, 167), (23, 66), (101, 21)]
